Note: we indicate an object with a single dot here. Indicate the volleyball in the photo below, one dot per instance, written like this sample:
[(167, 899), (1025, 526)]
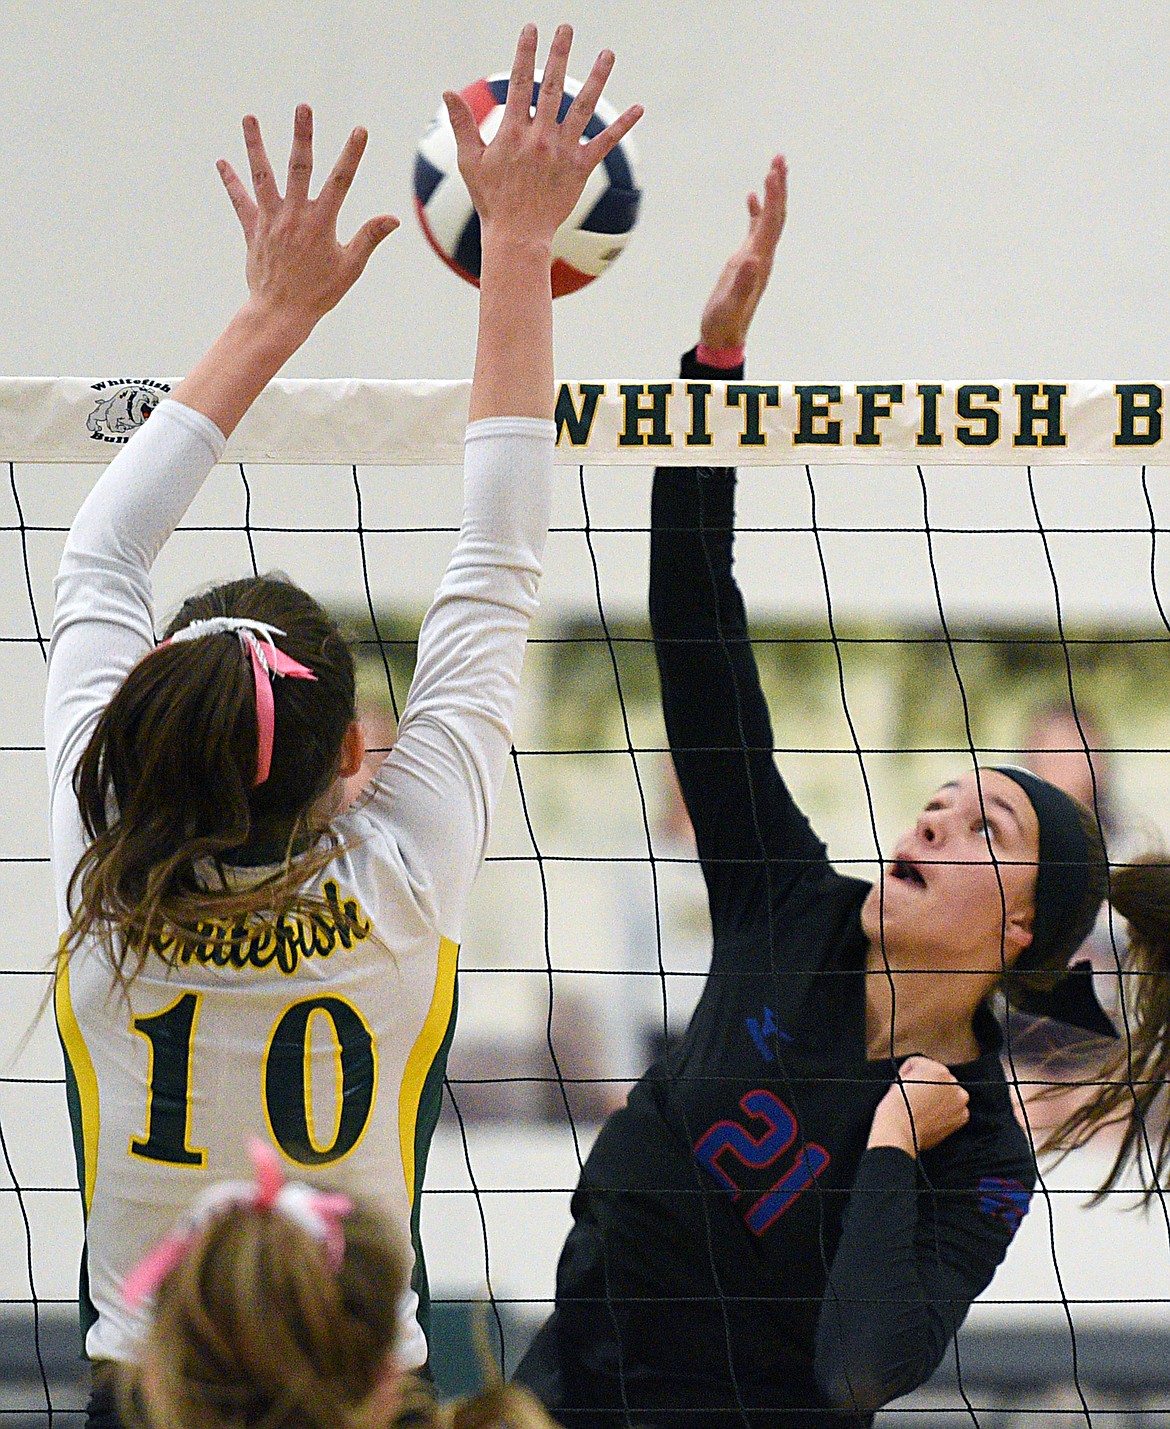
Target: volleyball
[(585, 244)]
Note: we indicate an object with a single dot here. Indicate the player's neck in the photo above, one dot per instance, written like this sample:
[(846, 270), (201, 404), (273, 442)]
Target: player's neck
[(919, 1012)]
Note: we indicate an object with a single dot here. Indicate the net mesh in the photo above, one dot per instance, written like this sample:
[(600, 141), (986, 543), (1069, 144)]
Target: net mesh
[(910, 619)]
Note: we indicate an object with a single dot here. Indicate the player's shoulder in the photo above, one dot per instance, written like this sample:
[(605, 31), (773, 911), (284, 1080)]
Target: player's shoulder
[(367, 828)]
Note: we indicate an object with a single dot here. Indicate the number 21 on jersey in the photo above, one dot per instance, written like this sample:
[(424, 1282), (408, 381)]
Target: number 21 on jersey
[(727, 1141), (286, 1092)]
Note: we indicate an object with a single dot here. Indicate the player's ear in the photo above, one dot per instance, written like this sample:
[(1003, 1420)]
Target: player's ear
[(1017, 933), (353, 750)]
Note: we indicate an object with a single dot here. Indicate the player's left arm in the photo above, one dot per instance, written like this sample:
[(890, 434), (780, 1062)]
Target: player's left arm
[(297, 270), (435, 793), (910, 1261)]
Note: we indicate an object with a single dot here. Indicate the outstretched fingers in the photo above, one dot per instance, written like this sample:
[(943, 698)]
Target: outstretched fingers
[(241, 200), (611, 136), (774, 209), (728, 314), (300, 156), (581, 109), (469, 143), (522, 78), (552, 84), (263, 180), (367, 238), (341, 176)]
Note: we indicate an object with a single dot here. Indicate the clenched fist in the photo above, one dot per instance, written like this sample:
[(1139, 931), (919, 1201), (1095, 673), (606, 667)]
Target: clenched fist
[(922, 1108)]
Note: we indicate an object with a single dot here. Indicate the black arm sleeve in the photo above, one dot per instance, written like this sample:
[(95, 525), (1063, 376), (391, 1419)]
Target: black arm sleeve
[(751, 836), (901, 1284)]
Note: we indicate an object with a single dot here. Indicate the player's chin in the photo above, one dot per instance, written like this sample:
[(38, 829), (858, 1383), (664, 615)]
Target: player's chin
[(873, 914)]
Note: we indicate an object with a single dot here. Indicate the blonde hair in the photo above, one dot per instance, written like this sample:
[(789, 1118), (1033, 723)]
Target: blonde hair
[(252, 1330)]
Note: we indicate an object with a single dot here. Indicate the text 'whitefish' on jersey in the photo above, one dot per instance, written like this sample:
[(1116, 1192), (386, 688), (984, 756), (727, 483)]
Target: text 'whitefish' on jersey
[(281, 943)]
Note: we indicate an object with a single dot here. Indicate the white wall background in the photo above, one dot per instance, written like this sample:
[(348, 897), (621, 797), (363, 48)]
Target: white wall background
[(979, 187)]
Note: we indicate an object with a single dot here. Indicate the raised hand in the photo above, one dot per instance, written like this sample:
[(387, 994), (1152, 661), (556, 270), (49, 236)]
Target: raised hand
[(529, 178), (923, 1107), (524, 184), (740, 286), (296, 269), (295, 264)]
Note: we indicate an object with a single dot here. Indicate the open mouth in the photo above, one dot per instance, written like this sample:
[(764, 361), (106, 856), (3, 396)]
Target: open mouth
[(906, 872)]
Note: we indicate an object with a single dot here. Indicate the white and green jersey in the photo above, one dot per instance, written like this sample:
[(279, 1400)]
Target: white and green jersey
[(328, 1042)]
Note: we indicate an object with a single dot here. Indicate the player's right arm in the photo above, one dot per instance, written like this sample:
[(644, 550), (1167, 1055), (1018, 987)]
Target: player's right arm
[(916, 1247), (439, 784), (103, 615), (524, 185), (717, 720)]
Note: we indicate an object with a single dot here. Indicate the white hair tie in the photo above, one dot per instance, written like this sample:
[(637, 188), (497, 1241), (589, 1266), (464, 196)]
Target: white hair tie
[(268, 661)]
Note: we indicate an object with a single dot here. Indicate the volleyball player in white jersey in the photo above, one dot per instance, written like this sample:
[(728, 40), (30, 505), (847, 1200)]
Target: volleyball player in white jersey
[(234, 939)]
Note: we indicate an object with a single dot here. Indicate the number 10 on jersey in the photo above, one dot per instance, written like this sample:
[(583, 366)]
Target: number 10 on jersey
[(286, 1091)]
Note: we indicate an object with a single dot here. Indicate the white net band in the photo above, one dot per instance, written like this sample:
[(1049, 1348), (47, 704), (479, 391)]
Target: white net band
[(615, 422)]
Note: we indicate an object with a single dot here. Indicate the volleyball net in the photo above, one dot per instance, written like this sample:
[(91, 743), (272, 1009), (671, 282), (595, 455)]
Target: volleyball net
[(932, 570)]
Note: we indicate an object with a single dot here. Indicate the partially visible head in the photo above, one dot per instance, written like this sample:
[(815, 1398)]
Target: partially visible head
[(275, 1306), (196, 699), (1003, 876), (253, 1328), (169, 777), (1064, 746)]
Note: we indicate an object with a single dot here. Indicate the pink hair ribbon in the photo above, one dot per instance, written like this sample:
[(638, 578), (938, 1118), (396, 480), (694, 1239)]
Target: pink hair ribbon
[(318, 1213), (268, 661)]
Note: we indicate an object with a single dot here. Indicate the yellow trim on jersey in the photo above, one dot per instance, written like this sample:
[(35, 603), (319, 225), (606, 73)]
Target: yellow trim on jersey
[(423, 1053), (81, 1065)]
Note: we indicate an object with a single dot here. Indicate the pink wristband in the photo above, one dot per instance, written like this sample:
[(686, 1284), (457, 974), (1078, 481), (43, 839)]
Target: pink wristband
[(722, 357)]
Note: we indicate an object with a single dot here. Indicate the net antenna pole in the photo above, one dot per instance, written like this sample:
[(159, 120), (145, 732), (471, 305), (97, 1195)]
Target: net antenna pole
[(370, 609), (248, 519)]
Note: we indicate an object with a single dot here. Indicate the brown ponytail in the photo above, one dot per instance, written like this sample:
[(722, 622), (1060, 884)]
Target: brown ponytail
[(1130, 1089), (165, 785)]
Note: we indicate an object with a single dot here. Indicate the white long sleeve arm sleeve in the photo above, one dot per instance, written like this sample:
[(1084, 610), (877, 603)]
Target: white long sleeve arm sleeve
[(437, 789), (103, 613), (435, 793)]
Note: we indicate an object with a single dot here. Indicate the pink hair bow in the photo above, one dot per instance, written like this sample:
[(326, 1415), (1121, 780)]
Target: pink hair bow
[(318, 1213), (268, 661)]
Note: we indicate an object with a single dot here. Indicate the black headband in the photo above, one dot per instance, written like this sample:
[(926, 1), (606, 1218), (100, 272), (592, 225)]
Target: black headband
[(1062, 885)]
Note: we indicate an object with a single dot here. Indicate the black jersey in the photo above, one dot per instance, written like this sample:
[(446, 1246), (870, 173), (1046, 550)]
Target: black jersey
[(737, 1255)]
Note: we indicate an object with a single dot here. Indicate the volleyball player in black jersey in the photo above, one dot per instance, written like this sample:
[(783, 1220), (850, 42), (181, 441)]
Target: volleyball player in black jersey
[(790, 1218)]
